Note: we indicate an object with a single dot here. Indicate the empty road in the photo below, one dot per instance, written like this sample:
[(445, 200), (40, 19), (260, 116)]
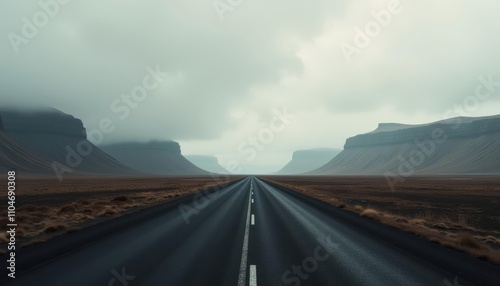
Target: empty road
[(252, 233)]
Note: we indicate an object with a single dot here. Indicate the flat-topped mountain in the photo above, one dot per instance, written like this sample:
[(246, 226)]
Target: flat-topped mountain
[(46, 121), (209, 163), (459, 127), (461, 145), (160, 158), (304, 161), (60, 138)]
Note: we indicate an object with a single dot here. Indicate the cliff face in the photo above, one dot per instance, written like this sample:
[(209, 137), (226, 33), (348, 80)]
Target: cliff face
[(454, 146), (406, 133), (159, 158), (307, 160), (48, 121), (61, 138)]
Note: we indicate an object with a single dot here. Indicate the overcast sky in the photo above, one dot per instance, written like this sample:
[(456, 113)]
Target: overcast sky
[(227, 70)]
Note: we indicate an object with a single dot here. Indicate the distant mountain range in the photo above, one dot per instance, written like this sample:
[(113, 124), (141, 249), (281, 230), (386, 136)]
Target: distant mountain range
[(308, 160), (461, 145), (49, 141), (209, 163)]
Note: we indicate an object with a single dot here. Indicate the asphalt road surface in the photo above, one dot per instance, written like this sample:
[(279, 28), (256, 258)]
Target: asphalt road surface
[(247, 233)]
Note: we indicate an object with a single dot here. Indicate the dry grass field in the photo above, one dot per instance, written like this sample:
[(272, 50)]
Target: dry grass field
[(46, 208), (460, 213)]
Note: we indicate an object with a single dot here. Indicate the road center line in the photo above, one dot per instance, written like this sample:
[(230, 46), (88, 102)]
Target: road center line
[(244, 254), (252, 201), (253, 219), (253, 275)]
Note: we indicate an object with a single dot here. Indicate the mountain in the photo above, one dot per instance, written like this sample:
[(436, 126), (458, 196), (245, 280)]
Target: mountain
[(461, 145), (62, 140), (209, 163), (14, 156), (304, 161), (160, 158)]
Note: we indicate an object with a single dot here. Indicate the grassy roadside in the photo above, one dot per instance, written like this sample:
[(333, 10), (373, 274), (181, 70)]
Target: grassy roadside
[(453, 231)]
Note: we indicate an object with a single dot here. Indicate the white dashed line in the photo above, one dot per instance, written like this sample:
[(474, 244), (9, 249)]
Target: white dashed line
[(252, 201), (253, 275), (244, 253), (253, 219)]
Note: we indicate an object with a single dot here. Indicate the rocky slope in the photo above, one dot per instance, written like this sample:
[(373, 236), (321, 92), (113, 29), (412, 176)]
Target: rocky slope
[(307, 160), (209, 163), (160, 158), (454, 146), (14, 156), (62, 139)]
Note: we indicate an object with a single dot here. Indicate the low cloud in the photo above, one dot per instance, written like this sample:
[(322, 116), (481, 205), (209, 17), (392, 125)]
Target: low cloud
[(225, 76)]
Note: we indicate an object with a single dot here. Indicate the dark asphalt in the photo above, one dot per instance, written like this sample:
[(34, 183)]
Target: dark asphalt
[(212, 239)]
